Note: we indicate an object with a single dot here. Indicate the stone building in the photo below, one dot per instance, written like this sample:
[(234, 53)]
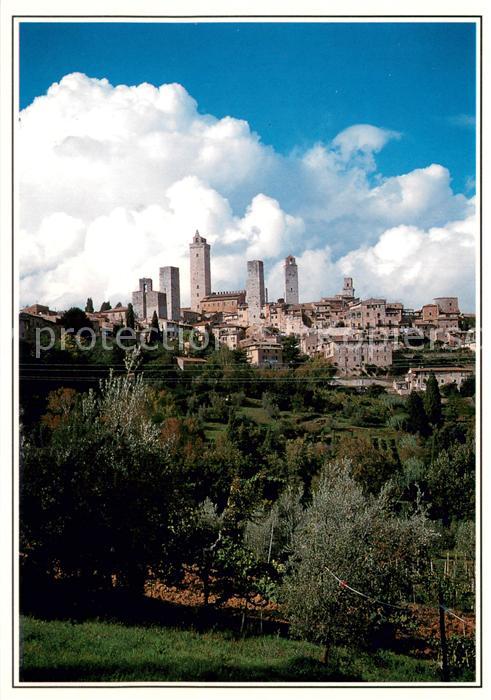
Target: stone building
[(255, 296), (349, 350), (261, 353), (43, 312), (353, 354), (288, 318), (200, 275), (329, 311), (146, 301), (394, 312), (170, 286), (229, 334), (29, 323), (190, 363), (430, 313), (435, 320), (309, 344), (223, 302), (368, 313), (374, 313), (189, 316), (291, 280), (417, 377), (105, 322), (117, 316)]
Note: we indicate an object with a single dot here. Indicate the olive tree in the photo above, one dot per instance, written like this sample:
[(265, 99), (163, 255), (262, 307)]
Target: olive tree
[(349, 539), (103, 499), (269, 535)]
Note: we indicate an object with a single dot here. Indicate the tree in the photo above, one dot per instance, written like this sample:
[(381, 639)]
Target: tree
[(270, 535), (433, 401), (89, 306), (154, 328), (204, 541), (118, 305), (106, 306), (449, 390), (60, 403), (370, 467), (467, 322), (451, 479), (245, 434), (291, 351), (417, 421), (468, 386), (130, 316), (75, 318), (103, 498), (400, 363), (348, 539)]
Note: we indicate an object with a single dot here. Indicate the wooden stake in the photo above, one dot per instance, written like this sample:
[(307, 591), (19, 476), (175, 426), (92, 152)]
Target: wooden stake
[(443, 638)]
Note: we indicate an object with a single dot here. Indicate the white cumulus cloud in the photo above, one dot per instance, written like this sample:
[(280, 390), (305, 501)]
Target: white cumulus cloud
[(114, 180)]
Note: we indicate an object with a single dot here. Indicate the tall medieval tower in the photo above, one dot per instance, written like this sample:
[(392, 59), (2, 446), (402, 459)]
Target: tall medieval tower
[(169, 284), (255, 295), (199, 257), (348, 289), (291, 280)]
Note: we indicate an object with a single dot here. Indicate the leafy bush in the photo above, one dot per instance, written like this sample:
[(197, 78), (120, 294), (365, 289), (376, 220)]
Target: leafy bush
[(269, 404), (461, 653)]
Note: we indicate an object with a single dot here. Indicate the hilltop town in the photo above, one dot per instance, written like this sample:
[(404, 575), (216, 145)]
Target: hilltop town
[(246, 368), (351, 333)]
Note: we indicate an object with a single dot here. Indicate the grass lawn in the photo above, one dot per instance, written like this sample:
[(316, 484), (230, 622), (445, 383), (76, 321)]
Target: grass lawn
[(101, 651), (213, 430), (257, 413), (308, 423)]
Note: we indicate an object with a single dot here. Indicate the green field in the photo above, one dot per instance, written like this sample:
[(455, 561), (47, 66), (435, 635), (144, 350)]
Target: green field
[(100, 651), (306, 423)]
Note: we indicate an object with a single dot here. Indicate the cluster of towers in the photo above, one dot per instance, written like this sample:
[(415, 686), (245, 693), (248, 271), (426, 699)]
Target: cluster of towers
[(166, 302), (256, 292)]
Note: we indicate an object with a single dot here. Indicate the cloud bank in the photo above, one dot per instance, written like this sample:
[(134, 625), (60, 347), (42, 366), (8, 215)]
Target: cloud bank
[(114, 180)]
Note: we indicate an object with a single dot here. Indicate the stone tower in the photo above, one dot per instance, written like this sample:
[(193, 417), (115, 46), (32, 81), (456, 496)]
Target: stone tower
[(146, 301), (199, 258), (169, 285), (255, 296), (348, 289), (447, 305), (291, 280)]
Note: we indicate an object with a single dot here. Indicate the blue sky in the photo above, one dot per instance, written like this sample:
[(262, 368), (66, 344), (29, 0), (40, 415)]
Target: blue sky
[(364, 164), (296, 84)]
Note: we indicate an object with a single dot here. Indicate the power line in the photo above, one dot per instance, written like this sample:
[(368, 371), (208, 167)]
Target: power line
[(344, 584)]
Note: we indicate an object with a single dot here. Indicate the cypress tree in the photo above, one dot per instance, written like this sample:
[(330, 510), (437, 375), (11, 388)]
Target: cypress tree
[(89, 306), (130, 316), (154, 328), (417, 421), (433, 401)]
